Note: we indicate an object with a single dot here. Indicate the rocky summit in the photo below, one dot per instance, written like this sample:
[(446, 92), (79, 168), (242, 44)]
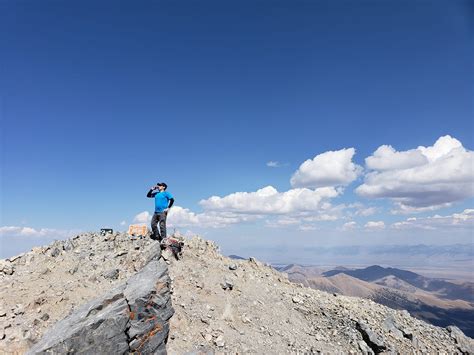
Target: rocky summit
[(117, 294)]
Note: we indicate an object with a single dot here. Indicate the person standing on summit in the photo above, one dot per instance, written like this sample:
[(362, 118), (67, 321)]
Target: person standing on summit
[(163, 202)]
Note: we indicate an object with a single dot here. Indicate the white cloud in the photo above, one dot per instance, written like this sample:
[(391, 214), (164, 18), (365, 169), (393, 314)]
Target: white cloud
[(179, 217), (269, 201), (465, 219), (333, 168), (183, 217), (15, 231), (123, 223), (400, 208), (349, 226), (359, 209), (274, 164), (443, 146), (369, 211), (445, 176), (375, 225), (387, 158), (142, 217)]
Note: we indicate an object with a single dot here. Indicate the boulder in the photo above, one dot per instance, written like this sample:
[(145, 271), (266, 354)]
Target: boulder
[(373, 340), (96, 327), (133, 317), (465, 344)]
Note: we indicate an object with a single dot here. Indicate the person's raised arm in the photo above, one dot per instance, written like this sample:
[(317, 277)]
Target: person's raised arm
[(152, 192), (171, 202)]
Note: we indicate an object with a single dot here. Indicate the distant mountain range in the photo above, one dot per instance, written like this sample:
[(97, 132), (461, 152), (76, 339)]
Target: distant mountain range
[(441, 288), (453, 261), (436, 301)]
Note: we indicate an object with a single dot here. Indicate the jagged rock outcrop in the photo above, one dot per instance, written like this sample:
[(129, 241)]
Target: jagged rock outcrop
[(84, 289), (132, 317)]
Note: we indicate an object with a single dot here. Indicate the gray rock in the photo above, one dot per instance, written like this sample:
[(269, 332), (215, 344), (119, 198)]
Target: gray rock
[(219, 341), (133, 317), (149, 300), (390, 325), (233, 267), (414, 341), (6, 267), (121, 252), (153, 251), (74, 269), (19, 309), (465, 344), (96, 327), (296, 299), (15, 258), (227, 285), (43, 270), (68, 245), (364, 347), (373, 340), (112, 274), (55, 252)]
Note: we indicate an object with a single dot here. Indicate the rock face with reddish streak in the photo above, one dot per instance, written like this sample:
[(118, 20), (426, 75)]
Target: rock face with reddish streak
[(133, 317)]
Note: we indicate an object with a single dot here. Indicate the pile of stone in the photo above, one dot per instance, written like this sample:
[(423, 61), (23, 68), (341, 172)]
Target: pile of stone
[(113, 294), (49, 283), (226, 305)]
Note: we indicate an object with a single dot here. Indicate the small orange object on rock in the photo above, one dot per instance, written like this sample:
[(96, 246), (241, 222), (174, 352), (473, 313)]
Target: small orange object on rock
[(137, 229)]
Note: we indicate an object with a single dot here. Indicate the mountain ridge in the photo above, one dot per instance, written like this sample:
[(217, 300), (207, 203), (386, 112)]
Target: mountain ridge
[(221, 304)]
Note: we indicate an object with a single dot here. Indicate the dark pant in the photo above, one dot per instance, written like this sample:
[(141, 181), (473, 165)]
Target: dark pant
[(158, 218)]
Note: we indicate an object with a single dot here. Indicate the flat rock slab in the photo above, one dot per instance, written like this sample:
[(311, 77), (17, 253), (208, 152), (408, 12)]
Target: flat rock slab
[(96, 327)]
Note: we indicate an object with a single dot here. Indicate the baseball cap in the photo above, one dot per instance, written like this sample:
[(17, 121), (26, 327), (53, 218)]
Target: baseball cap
[(162, 184)]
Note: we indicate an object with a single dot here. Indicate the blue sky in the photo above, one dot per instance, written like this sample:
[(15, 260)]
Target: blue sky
[(100, 100)]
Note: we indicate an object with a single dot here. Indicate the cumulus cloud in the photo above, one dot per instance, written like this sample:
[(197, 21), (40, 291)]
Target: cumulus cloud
[(179, 217), (465, 220), (15, 231), (387, 158), (421, 179), (142, 217), (375, 225), (401, 208), (183, 217), (349, 226), (269, 201), (333, 168)]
